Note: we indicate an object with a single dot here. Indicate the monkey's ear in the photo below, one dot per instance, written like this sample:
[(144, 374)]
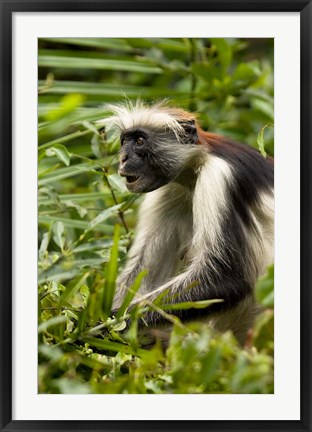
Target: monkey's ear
[(190, 131)]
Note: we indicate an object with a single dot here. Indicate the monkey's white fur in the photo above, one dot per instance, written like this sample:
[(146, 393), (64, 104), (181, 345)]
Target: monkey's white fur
[(131, 114), (263, 243), (210, 203)]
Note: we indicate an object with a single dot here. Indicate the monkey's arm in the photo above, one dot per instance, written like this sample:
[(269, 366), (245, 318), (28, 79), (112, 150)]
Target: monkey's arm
[(202, 280), (153, 253), (155, 249)]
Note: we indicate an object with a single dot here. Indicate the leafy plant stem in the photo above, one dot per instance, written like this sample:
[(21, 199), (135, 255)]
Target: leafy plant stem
[(193, 55), (120, 212)]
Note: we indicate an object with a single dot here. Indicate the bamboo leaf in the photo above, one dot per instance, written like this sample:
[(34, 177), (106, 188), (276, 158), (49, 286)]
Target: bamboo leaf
[(110, 276), (105, 214), (53, 196), (224, 50), (65, 138), (73, 287), (52, 322), (95, 245), (70, 266), (90, 126), (73, 223), (62, 173), (68, 104), (264, 107), (72, 62), (91, 196), (96, 146), (107, 345), (60, 152), (59, 236), (44, 244), (71, 204), (260, 139), (100, 91), (190, 305), (117, 183), (131, 293)]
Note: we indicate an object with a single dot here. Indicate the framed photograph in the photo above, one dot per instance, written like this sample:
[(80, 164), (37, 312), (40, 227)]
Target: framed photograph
[(80, 82)]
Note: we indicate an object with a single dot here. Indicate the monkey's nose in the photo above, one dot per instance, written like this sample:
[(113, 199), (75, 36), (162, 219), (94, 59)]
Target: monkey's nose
[(123, 157)]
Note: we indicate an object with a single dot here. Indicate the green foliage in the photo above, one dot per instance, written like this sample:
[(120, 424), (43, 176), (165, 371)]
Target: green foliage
[(260, 140), (265, 288), (87, 216)]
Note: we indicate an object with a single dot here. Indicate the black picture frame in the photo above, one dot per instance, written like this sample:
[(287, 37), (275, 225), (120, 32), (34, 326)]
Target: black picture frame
[(8, 7)]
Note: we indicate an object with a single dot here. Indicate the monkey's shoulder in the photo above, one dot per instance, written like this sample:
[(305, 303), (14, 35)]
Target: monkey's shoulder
[(251, 170)]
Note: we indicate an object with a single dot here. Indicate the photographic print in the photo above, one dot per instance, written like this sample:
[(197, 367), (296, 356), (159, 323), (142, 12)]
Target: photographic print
[(156, 215)]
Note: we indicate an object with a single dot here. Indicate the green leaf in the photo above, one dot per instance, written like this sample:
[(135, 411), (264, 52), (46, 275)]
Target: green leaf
[(53, 196), (105, 214), (54, 61), (258, 94), (73, 287), (247, 71), (68, 104), (72, 223), (52, 353), (117, 183), (58, 234), (168, 44), (44, 245), (47, 172), (264, 107), (110, 276), (71, 204), (224, 51), (90, 126), (265, 288), (211, 365), (96, 146), (100, 92), (52, 322), (206, 71), (57, 273), (260, 139), (62, 173), (107, 345), (60, 152), (94, 245), (131, 293), (263, 334), (90, 196), (67, 267), (65, 138), (190, 305)]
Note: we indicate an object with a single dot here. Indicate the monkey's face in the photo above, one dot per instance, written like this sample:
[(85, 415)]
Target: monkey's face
[(142, 160)]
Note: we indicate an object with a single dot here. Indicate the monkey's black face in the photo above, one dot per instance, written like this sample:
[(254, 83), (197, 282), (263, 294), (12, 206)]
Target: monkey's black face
[(140, 161)]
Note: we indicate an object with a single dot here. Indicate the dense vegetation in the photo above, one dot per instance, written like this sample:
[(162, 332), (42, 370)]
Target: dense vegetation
[(87, 217)]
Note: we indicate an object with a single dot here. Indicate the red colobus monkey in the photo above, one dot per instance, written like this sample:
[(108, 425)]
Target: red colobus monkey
[(209, 204)]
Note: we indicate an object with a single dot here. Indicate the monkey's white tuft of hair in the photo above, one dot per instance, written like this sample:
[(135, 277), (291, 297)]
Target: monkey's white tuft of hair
[(158, 116)]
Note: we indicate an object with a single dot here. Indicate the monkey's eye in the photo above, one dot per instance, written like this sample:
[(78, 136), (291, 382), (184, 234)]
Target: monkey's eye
[(140, 141), (123, 141)]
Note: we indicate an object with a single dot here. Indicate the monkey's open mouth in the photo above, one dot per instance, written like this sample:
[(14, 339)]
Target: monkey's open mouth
[(132, 178)]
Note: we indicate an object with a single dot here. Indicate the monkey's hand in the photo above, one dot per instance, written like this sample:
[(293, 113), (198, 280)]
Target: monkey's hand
[(150, 307), (144, 304)]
